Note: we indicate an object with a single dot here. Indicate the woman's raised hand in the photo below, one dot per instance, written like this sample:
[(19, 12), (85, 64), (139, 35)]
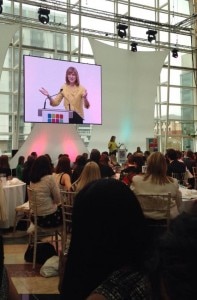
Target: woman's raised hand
[(44, 92)]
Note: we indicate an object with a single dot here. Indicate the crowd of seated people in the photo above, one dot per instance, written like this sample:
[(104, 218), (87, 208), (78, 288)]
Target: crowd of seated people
[(110, 256)]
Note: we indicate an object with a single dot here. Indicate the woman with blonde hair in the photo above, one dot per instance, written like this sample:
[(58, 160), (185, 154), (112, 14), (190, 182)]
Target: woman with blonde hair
[(156, 181), (91, 172), (75, 95)]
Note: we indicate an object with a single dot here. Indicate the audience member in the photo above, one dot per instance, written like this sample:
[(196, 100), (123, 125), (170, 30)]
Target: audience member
[(50, 160), (146, 155), (95, 155), (62, 173), (47, 193), (190, 162), (90, 172), (174, 165), (108, 249), (26, 173), (20, 167), (34, 154), (156, 181), (105, 167), (78, 166), (5, 166), (130, 170), (138, 152)]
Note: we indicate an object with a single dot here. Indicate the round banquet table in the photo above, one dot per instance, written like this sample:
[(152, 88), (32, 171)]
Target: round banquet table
[(14, 191)]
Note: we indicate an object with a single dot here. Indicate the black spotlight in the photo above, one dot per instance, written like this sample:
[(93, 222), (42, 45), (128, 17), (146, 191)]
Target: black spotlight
[(175, 53), (43, 15), (122, 30), (134, 46), (151, 35), (1, 8)]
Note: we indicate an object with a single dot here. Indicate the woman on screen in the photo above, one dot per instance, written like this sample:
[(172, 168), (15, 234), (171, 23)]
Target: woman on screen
[(74, 94)]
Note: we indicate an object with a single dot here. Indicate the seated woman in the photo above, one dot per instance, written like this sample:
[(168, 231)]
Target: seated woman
[(62, 173), (47, 193), (155, 181), (105, 167), (5, 166), (91, 172), (108, 248)]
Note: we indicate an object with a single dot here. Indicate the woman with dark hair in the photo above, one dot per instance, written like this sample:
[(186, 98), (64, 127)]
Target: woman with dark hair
[(108, 246), (74, 94), (5, 166), (62, 173), (47, 193), (20, 167), (78, 166)]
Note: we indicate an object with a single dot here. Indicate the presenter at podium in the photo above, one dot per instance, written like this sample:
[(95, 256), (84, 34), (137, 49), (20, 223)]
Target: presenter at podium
[(74, 94), (112, 145)]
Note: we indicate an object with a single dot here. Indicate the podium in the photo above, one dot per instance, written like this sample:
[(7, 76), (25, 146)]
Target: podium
[(59, 116)]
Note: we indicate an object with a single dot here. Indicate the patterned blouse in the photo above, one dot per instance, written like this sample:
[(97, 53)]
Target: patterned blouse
[(123, 284)]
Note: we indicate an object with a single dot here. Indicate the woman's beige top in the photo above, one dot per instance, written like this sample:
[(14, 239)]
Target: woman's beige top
[(47, 195), (73, 98), (139, 186)]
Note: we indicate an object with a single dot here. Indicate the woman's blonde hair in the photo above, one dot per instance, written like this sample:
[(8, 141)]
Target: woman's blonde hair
[(91, 172), (157, 169)]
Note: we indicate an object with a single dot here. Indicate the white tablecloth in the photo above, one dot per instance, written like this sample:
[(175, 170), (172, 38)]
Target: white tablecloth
[(14, 195), (188, 198)]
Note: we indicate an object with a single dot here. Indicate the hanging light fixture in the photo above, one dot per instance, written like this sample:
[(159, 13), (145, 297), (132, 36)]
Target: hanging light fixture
[(151, 35), (43, 15), (122, 30), (134, 46), (175, 52)]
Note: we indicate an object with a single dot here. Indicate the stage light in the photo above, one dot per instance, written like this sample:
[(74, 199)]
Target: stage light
[(151, 35), (175, 53), (1, 8), (134, 46), (43, 15), (122, 30)]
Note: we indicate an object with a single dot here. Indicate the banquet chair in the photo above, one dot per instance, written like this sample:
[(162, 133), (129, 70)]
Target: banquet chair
[(154, 205), (37, 235), (22, 213), (67, 201)]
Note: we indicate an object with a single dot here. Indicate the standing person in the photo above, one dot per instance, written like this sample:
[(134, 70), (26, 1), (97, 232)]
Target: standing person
[(74, 94), (108, 249), (20, 167), (112, 146)]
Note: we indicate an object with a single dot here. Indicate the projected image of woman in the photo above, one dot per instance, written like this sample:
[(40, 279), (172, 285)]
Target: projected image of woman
[(74, 94)]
